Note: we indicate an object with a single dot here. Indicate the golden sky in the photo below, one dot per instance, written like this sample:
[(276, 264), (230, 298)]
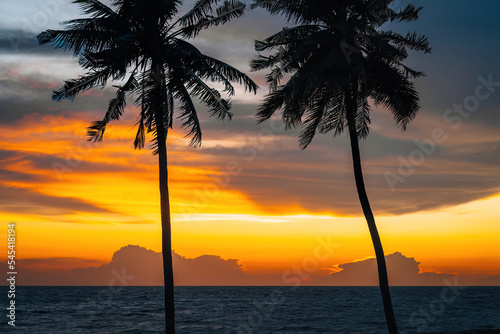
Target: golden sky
[(249, 193), (71, 198)]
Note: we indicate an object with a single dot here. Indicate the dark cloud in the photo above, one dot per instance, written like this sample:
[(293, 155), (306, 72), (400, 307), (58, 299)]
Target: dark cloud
[(23, 94), (56, 264), (24, 42), (58, 166), (25, 201), (453, 174), (401, 270), (147, 269), (207, 270), (320, 178), (134, 265), (17, 176), (488, 281), (322, 171), (131, 265), (275, 173)]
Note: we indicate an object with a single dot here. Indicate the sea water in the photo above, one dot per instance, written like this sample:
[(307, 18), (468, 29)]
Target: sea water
[(232, 310)]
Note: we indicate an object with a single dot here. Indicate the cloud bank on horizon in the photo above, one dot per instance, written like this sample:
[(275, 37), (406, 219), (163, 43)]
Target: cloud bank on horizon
[(138, 266)]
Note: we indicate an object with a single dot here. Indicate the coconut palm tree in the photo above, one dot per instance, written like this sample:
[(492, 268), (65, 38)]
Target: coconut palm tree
[(337, 58), (143, 44)]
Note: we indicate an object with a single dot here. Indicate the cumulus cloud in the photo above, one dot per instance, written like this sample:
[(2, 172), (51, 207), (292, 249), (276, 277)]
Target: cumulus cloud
[(207, 270), (138, 266), (401, 270), (131, 265)]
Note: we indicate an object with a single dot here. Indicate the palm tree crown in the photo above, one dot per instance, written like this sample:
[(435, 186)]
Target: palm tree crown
[(335, 53), (143, 43)]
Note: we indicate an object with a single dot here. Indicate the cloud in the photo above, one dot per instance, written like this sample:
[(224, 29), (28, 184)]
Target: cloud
[(138, 266), (58, 264), (26, 87), (273, 169), (24, 42), (461, 170), (207, 270), (16, 200), (131, 265), (401, 270), (488, 281)]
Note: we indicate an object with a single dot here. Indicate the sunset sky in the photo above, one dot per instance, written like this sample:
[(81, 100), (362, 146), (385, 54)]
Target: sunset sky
[(249, 194)]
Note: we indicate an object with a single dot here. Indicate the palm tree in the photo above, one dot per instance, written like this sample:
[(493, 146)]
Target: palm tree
[(337, 56), (143, 43)]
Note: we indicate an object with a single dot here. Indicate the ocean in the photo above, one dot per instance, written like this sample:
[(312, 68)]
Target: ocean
[(245, 310)]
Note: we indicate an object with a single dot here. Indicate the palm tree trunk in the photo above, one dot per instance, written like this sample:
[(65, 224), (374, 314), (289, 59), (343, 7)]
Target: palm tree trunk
[(365, 204), (168, 274)]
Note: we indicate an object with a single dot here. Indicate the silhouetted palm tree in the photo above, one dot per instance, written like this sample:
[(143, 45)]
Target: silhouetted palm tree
[(337, 56), (143, 43)]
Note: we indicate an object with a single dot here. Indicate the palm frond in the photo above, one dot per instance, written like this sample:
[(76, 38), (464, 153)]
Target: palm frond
[(204, 16), (274, 77), (200, 10), (412, 41), (231, 74), (77, 40), (295, 11), (209, 96), (407, 14), (363, 119), (73, 87), (286, 36), (313, 118), (273, 102), (288, 99), (95, 8), (95, 131), (140, 137), (116, 106), (188, 115), (262, 62), (393, 89)]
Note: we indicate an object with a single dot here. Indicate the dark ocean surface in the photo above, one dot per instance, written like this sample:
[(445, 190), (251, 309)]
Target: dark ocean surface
[(232, 310)]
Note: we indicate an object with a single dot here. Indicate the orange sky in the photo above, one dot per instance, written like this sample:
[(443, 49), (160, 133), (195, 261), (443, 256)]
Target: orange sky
[(117, 195), (249, 193)]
